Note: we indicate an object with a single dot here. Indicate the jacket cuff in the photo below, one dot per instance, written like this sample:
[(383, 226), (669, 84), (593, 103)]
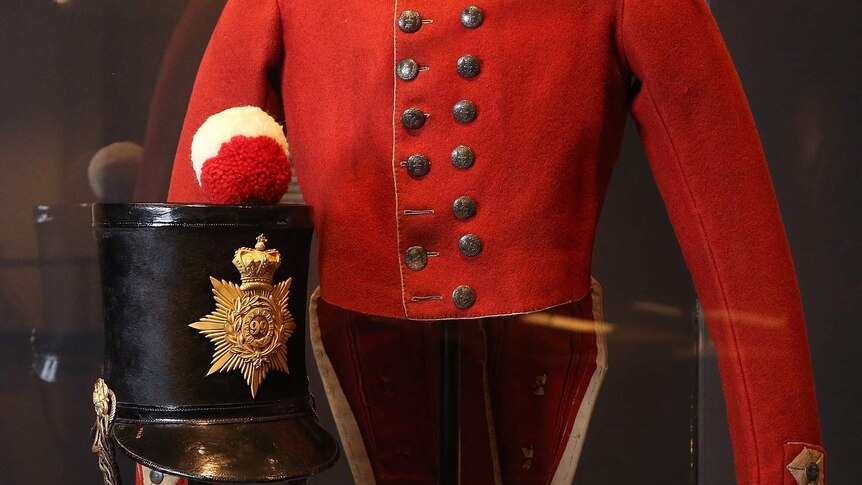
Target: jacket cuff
[(805, 464)]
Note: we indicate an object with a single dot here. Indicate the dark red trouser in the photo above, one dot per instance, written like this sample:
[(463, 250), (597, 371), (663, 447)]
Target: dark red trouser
[(523, 382)]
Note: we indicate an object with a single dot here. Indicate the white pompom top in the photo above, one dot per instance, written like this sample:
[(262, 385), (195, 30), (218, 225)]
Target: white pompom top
[(219, 128)]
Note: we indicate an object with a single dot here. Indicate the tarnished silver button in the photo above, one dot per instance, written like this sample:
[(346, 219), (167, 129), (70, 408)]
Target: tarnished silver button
[(416, 257), (463, 157), (464, 111), (409, 21), (464, 297), (156, 477), (469, 66), (470, 245), (472, 17), (464, 207), (418, 165), (413, 118), (407, 69)]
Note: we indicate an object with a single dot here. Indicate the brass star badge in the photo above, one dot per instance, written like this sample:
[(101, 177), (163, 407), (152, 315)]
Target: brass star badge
[(251, 323)]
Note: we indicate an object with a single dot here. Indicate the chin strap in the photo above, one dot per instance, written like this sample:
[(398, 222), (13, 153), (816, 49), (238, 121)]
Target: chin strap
[(105, 403)]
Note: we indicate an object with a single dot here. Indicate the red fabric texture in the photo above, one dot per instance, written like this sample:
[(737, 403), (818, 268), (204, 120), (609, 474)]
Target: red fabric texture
[(552, 97), (247, 170), (706, 156), (389, 371)]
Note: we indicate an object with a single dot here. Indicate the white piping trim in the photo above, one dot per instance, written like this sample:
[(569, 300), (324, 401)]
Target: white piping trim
[(394, 161), (565, 472), (345, 421)]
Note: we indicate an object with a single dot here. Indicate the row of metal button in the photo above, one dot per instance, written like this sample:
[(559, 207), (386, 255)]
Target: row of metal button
[(411, 21), (418, 165), (467, 66), (416, 257), (462, 157), (463, 111)]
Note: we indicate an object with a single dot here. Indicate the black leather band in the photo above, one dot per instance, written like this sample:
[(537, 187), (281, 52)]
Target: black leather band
[(215, 413), (201, 215)]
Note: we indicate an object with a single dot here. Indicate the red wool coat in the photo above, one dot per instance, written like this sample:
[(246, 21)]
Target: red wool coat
[(551, 97)]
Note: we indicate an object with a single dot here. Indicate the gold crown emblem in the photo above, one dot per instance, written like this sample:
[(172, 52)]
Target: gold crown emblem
[(257, 266), (251, 323)]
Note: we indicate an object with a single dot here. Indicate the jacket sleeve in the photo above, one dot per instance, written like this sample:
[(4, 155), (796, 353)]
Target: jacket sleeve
[(241, 67), (706, 157)]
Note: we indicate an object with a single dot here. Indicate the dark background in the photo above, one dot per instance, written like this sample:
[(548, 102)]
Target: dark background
[(76, 75)]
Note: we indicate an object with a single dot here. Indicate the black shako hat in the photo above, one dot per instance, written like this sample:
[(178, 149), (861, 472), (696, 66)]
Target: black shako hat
[(205, 372)]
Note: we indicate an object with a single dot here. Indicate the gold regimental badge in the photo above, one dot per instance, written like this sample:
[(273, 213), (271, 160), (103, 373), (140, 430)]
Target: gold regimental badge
[(251, 323)]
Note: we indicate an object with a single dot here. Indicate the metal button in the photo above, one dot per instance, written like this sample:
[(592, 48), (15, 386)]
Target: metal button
[(156, 477), (464, 297), (469, 66), (464, 207), (418, 165), (470, 245), (413, 118), (529, 454), (416, 257), (539, 386), (463, 157), (410, 21), (812, 472), (464, 111), (472, 17), (407, 69)]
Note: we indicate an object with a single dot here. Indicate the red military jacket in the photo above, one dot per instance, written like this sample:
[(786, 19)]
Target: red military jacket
[(376, 96)]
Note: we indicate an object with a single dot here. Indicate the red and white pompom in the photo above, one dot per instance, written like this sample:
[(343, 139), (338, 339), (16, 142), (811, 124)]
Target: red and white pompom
[(240, 157)]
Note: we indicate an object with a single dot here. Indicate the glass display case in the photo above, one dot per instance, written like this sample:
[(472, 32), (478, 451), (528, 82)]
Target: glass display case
[(618, 384)]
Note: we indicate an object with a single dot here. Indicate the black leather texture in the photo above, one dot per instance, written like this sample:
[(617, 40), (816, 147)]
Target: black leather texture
[(156, 262)]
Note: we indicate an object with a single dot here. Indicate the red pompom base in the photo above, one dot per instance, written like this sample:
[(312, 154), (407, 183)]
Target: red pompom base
[(247, 170)]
